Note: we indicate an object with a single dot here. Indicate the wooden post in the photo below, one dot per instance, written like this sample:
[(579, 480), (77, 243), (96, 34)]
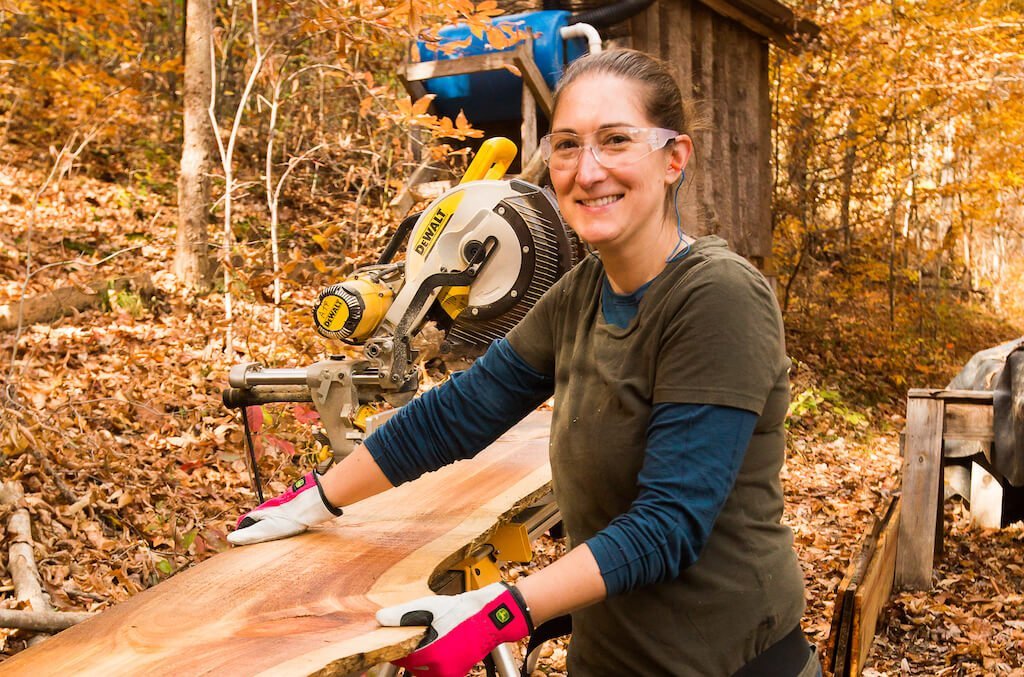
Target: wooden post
[(922, 487), (528, 128)]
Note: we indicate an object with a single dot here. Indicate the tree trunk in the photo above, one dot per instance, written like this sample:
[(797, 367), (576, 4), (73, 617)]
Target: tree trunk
[(849, 164), (192, 259)]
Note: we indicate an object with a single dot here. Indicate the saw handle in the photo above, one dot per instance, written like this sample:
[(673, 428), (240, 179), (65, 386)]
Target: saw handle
[(492, 160)]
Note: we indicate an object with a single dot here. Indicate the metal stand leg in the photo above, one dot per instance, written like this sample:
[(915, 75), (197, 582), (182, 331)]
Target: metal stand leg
[(532, 660), (504, 661)]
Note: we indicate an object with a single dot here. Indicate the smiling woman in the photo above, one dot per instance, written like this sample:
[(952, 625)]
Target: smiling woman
[(666, 359), (618, 196)]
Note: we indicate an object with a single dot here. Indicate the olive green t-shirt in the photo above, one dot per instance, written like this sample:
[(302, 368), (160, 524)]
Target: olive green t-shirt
[(707, 331)]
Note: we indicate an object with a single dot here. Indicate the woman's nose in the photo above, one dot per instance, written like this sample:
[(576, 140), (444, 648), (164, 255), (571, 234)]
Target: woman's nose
[(588, 169)]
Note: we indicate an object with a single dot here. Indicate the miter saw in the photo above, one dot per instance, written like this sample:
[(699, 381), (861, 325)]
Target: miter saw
[(479, 257)]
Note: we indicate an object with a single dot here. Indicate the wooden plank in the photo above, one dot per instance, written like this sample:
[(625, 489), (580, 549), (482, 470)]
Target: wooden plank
[(769, 18), (413, 73), (841, 657), (528, 128), (748, 20), (840, 633), (425, 70), (522, 58), (922, 484), (874, 589), (968, 421), (305, 605), (532, 81), (948, 395)]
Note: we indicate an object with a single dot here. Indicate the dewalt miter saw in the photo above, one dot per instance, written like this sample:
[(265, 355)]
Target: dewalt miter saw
[(479, 257)]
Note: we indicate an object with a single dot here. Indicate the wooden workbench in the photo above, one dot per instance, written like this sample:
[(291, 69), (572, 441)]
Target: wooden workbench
[(305, 605)]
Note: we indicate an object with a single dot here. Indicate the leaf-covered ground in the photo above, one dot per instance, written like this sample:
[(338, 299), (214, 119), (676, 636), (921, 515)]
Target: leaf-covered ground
[(111, 421)]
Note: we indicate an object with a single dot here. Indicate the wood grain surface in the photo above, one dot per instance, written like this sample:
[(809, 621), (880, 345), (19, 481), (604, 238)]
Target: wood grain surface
[(305, 605)]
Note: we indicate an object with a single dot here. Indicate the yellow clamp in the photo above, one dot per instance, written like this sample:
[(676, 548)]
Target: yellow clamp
[(509, 543)]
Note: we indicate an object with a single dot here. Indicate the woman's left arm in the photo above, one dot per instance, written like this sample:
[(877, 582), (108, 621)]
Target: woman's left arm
[(692, 458)]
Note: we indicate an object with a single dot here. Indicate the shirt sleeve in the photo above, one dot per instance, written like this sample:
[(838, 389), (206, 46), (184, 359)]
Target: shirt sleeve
[(724, 345), (693, 455), (461, 417)]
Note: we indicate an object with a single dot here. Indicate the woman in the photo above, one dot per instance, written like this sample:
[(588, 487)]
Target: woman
[(666, 358)]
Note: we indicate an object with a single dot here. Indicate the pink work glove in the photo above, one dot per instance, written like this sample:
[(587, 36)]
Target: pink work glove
[(463, 628), (291, 513)]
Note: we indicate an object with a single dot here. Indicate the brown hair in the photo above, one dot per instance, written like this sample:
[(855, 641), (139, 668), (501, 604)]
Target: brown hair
[(662, 101)]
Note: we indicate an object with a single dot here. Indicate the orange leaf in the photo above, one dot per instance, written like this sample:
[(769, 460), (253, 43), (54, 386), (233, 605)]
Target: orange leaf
[(422, 104)]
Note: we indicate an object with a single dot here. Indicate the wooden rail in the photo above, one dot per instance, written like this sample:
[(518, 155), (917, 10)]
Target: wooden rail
[(862, 595)]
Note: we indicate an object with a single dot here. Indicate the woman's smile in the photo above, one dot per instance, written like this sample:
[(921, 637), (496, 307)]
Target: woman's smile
[(594, 203)]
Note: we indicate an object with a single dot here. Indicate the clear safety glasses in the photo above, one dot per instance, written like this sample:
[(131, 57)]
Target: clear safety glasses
[(612, 146)]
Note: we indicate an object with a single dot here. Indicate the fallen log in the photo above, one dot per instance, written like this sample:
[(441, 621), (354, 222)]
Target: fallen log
[(22, 562), (306, 605), (66, 300), (41, 621)]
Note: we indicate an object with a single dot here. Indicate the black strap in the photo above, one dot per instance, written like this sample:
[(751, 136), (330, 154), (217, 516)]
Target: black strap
[(492, 669), (560, 626), (788, 656)]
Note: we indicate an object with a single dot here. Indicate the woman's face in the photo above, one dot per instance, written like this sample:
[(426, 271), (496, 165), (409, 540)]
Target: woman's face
[(612, 208)]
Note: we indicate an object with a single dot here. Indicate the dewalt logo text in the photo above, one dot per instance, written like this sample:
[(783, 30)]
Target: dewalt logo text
[(437, 222), (434, 224)]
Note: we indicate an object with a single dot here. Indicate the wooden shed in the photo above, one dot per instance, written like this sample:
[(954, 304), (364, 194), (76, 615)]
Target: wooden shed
[(719, 50)]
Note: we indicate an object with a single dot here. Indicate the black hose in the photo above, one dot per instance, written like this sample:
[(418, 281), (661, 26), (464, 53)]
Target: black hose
[(602, 17)]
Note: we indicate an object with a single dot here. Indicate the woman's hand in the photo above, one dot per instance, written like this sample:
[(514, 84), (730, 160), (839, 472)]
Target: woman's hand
[(291, 513), (462, 628)]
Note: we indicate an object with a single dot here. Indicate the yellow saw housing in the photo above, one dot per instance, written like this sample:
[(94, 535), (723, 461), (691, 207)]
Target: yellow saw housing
[(507, 232)]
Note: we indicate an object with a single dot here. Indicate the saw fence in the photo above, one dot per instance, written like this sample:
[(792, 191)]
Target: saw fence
[(306, 605)]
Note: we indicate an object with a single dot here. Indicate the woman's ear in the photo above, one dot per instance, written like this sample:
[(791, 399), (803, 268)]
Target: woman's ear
[(679, 156)]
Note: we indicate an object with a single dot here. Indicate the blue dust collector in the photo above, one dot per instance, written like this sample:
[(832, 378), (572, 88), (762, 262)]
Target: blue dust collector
[(497, 95)]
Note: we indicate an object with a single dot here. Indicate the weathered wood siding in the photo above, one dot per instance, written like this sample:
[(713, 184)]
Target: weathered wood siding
[(723, 66)]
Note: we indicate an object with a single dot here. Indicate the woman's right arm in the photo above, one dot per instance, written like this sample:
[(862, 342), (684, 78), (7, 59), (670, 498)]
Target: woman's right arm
[(356, 477), (461, 417), (451, 422)]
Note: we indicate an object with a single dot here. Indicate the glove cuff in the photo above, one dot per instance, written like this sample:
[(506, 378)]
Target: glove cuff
[(337, 512), (523, 607)]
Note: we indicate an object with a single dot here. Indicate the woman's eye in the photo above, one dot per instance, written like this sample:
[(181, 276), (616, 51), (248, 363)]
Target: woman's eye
[(616, 140), (565, 144)]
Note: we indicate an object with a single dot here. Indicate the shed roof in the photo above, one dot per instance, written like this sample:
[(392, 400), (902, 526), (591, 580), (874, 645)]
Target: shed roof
[(769, 18)]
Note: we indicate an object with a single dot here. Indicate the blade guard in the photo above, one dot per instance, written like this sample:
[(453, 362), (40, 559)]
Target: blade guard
[(490, 164)]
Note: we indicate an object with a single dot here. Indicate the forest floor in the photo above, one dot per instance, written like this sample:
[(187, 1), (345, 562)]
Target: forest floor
[(111, 421)]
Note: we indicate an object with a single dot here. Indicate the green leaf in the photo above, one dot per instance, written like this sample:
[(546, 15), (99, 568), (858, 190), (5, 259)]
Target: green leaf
[(165, 566)]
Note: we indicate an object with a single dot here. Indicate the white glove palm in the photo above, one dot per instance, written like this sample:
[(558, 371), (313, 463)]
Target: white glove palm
[(291, 513)]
